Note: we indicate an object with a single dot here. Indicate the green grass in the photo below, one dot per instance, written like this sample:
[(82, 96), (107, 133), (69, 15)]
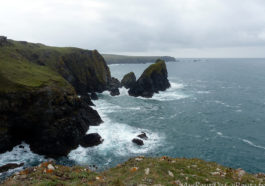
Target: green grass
[(182, 170), (27, 66), (18, 73)]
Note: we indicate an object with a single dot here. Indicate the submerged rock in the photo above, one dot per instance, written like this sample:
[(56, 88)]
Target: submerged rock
[(152, 80), (128, 80), (91, 140), (138, 141), (9, 166)]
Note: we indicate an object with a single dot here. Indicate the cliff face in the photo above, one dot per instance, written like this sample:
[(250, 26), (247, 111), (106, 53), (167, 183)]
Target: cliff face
[(85, 70), (152, 80), (38, 104)]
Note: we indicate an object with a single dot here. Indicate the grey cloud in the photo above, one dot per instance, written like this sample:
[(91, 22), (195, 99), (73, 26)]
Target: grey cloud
[(180, 27)]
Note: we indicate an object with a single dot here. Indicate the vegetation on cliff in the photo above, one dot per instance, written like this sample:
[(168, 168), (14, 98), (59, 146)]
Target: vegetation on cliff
[(85, 70), (121, 59), (138, 171), (38, 100)]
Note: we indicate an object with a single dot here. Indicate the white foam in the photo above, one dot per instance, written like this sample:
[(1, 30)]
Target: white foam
[(252, 144), (20, 155), (173, 93), (203, 92), (117, 137)]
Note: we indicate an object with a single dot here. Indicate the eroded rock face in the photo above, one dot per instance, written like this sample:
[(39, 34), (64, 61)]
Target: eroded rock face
[(129, 80), (50, 121), (153, 80), (91, 140)]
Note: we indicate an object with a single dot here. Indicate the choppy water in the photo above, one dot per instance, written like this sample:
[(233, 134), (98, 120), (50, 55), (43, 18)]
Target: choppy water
[(214, 110)]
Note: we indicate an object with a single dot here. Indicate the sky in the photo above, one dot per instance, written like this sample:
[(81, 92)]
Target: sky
[(179, 28)]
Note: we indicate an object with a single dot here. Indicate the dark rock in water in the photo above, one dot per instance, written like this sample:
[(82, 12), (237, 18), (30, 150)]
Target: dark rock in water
[(153, 79), (138, 141), (91, 140), (94, 96), (114, 92), (21, 146), (10, 166), (129, 80), (87, 99), (114, 86), (143, 136), (50, 121)]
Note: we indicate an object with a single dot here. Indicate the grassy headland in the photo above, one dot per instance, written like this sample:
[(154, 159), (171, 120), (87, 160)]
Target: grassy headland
[(121, 59), (138, 171)]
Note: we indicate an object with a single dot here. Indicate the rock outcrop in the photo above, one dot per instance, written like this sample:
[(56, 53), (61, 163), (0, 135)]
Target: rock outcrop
[(128, 80), (143, 136), (114, 86), (3, 40), (152, 80), (50, 121)]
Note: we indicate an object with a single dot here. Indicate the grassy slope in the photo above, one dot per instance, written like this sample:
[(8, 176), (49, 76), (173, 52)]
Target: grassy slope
[(164, 171), (121, 59), (18, 73)]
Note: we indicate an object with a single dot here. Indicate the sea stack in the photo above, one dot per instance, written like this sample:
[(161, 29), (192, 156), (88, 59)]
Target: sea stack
[(128, 80), (152, 80)]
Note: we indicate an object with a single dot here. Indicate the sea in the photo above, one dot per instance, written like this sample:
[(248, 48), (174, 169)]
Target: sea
[(214, 110)]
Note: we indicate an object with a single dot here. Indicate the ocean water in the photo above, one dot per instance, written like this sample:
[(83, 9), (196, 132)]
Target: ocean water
[(214, 110)]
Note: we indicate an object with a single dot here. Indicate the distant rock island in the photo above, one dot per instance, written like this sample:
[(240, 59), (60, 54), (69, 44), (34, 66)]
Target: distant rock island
[(152, 80), (122, 59)]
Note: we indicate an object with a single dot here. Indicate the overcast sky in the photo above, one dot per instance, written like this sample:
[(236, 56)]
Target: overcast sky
[(181, 28)]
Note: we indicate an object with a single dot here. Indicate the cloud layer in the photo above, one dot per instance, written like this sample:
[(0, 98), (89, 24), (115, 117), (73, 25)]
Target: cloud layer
[(182, 28)]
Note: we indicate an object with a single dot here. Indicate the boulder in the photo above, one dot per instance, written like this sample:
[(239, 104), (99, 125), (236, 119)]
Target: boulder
[(114, 86), (138, 141), (91, 140), (152, 80), (94, 96), (128, 80), (143, 136), (9, 166)]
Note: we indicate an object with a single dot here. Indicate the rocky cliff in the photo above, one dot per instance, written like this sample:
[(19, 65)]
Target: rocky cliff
[(38, 100), (152, 80), (85, 70)]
